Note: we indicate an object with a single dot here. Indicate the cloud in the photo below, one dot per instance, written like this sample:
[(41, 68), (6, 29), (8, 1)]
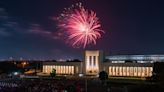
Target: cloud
[(10, 24), (36, 28), (8, 27), (3, 14), (3, 32), (57, 35)]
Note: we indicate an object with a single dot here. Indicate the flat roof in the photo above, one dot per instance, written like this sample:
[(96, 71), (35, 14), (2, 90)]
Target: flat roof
[(136, 57)]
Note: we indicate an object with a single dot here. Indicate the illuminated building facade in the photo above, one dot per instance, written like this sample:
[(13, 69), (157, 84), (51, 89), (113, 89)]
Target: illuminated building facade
[(63, 68), (115, 66), (92, 62)]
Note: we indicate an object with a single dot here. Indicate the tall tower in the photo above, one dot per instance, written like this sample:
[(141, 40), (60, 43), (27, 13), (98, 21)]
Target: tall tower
[(92, 62)]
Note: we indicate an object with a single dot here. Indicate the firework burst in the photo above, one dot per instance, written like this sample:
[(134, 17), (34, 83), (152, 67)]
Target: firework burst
[(81, 26)]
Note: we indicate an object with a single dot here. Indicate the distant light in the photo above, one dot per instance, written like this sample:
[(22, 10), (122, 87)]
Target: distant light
[(15, 73), (81, 75), (97, 75)]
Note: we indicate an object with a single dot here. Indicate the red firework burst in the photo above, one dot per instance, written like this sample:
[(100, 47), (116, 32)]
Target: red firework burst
[(82, 26)]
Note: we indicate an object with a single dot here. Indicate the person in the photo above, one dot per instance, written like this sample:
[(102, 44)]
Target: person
[(108, 89), (78, 88)]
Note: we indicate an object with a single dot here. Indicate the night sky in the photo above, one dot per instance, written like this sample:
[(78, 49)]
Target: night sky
[(27, 28)]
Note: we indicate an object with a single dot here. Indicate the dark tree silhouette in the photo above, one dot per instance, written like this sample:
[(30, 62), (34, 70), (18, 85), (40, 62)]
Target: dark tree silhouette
[(53, 73), (103, 75), (158, 72)]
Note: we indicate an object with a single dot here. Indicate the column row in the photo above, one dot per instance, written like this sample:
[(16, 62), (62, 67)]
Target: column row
[(130, 71), (59, 69)]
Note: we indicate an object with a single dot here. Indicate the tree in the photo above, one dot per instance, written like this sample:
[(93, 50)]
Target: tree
[(53, 73), (158, 72), (103, 75)]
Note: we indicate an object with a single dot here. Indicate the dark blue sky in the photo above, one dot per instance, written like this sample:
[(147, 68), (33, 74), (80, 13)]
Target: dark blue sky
[(27, 29)]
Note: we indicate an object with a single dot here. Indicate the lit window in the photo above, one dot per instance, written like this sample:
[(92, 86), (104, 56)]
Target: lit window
[(94, 60), (90, 60), (69, 69), (66, 69)]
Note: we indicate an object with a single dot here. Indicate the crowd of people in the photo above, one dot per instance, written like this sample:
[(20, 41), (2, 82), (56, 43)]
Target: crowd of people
[(38, 85)]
